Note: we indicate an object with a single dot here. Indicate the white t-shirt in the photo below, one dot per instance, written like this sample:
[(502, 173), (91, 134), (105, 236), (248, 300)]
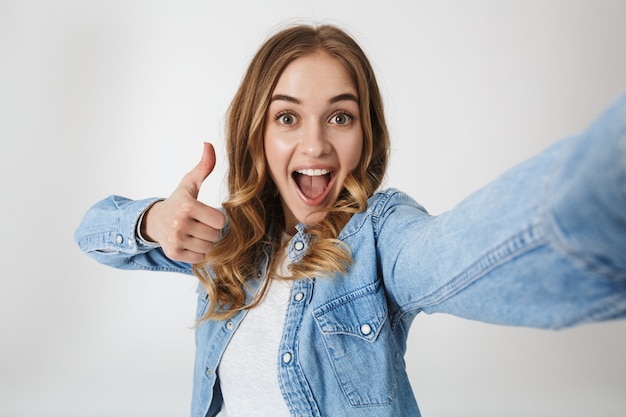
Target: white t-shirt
[(248, 370)]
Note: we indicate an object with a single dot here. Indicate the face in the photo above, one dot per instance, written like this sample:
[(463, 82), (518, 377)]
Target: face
[(313, 137)]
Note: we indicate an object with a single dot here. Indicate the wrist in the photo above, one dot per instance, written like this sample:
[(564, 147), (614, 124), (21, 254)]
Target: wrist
[(143, 232)]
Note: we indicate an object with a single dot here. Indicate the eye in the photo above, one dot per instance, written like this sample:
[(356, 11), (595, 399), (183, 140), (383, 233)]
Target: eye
[(341, 118), (286, 119)]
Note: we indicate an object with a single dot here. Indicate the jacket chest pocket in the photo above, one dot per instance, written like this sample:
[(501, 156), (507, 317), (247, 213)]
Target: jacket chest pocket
[(358, 341)]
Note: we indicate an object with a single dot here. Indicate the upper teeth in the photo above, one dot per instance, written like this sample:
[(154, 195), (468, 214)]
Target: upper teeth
[(313, 172)]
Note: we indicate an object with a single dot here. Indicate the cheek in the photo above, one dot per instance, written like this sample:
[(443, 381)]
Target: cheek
[(270, 145), (352, 152), (278, 153), (269, 154)]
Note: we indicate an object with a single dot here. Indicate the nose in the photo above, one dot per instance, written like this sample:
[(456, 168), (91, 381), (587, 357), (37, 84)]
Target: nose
[(314, 142)]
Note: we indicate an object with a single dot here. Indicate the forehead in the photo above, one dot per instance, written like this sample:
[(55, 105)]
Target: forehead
[(315, 75)]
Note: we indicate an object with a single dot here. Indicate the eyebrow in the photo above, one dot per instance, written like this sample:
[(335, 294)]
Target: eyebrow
[(338, 98)]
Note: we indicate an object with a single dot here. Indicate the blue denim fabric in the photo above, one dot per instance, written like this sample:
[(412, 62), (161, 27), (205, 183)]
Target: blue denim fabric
[(544, 245)]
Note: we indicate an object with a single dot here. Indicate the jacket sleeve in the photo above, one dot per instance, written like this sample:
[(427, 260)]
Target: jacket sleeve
[(108, 234), (544, 245)]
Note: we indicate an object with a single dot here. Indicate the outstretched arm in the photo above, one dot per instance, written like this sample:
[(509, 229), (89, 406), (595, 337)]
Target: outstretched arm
[(544, 245)]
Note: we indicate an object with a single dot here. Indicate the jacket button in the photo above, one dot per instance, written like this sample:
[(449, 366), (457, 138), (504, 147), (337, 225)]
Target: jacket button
[(209, 372), (229, 325), (299, 296), (287, 357), (119, 239), (366, 329)]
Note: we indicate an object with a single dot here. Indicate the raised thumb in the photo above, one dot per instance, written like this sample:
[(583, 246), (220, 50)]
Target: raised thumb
[(194, 178)]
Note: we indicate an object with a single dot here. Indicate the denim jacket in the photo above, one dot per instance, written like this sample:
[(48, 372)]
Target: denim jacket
[(544, 245)]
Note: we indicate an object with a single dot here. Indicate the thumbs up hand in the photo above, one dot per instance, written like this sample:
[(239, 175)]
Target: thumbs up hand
[(184, 227)]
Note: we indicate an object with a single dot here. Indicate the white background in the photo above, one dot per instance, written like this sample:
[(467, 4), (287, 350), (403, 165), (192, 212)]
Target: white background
[(117, 96)]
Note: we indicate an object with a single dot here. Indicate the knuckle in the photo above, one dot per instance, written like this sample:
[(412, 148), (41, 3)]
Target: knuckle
[(186, 208), (177, 227)]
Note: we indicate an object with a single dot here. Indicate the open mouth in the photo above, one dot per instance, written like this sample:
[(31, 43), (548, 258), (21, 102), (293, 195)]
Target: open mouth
[(313, 183)]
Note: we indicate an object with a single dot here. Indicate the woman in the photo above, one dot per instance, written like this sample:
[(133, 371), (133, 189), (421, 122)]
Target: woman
[(310, 278)]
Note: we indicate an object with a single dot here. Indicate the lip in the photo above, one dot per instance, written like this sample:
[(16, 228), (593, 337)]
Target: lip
[(319, 201)]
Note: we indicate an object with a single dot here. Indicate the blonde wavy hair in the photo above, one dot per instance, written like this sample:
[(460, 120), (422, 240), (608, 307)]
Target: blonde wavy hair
[(253, 207)]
